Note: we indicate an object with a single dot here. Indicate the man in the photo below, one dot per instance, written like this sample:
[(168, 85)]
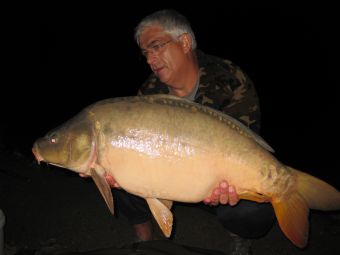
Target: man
[(169, 46)]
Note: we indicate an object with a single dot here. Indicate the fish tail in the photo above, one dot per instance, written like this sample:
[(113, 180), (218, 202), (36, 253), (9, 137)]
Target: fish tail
[(292, 214), (292, 209), (318, 194)]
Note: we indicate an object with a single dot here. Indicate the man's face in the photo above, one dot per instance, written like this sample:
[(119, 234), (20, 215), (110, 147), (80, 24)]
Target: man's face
[(164, 54)]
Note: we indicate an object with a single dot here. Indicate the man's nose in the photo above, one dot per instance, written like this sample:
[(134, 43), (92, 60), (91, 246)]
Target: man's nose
[(151, 58)]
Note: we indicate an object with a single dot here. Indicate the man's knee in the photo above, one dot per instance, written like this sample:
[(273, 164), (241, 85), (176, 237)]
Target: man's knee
[(134, 208), (247, 219)]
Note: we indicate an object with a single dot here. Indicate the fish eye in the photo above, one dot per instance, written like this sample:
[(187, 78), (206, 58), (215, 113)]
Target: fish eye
[(53, 138)]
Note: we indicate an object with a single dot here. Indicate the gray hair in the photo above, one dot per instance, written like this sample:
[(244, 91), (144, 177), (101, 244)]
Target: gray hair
[(173, 23)]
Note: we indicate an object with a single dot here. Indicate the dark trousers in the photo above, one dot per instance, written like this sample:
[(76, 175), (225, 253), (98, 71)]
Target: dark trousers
[(247, 219)]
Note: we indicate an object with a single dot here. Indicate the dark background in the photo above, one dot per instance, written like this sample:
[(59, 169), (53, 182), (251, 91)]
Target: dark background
[(87, 53)]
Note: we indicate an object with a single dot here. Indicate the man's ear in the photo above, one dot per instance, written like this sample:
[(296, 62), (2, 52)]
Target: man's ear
[(186, 42)]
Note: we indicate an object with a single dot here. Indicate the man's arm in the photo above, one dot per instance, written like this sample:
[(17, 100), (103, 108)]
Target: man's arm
[(244, 103)]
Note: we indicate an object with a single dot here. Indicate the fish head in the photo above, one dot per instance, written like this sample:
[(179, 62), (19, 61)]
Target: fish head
[(71, 146)]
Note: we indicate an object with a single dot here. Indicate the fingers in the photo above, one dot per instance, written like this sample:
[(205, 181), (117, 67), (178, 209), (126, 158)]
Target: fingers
[(233, 197), (223, 194), (111, 181), (207, 201), (212, 200), (215, 196), (219, 195)]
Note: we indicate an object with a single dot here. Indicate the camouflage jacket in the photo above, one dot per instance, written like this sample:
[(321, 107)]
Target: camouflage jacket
[(223, 86)]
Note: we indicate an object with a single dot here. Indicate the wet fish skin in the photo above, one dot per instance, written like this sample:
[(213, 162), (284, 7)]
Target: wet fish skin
[(164, 148)]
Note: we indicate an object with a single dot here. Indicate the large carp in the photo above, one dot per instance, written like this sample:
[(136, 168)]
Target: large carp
[(164, 148)]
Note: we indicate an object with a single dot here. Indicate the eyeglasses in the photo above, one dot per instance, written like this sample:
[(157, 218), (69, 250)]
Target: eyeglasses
[(155, 49)]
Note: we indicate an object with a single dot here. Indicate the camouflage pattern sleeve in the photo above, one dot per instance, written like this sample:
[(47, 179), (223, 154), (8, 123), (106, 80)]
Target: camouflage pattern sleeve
[(225, 87), (244, 104)]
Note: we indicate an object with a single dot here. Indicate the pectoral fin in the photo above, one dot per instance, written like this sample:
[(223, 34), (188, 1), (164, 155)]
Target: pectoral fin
[(162, 214), (104, 189), (167, 203)]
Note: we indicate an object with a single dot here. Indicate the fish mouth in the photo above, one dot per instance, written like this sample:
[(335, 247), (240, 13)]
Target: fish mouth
[(37, 155), (39, 158)]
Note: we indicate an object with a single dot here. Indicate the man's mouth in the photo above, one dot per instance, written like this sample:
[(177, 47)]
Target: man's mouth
[(158, 70)]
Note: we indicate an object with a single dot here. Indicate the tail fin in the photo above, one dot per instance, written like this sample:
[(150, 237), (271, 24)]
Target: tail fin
[(292, 215), (292, 209), (318, 194)]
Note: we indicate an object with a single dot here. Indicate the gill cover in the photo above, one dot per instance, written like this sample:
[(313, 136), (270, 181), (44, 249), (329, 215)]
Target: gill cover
[(70, 145)]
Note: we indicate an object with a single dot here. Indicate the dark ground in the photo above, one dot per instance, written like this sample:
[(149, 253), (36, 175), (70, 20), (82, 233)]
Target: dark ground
[(54, 210)]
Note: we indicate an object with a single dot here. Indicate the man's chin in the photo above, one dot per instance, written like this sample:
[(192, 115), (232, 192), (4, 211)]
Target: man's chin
[(163, 79), (162, 75)]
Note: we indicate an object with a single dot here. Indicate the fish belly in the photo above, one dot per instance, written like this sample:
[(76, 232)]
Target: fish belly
[(186, 179)]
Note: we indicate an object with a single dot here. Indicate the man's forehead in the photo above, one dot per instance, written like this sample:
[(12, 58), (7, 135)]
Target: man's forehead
[(150, 34)]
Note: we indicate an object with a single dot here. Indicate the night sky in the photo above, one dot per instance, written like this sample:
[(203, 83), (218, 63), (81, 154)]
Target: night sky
[(87, 53)]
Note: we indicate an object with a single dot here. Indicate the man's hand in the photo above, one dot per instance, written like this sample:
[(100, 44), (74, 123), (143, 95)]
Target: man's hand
[(110, 180), (223, 194)]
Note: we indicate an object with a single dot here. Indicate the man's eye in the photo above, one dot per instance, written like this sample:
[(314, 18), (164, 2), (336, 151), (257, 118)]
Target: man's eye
[(156, 47)]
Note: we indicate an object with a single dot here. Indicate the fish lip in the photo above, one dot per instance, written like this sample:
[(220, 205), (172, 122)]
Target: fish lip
[(54, 164), (36, 154), (39, 158)]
